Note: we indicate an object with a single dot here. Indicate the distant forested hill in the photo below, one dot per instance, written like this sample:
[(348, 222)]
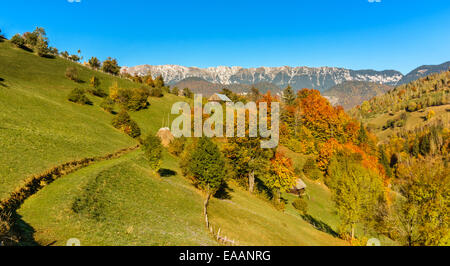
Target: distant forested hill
[(352, 93)]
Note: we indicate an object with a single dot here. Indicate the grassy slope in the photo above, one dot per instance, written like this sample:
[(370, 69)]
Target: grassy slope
[(39, 128), (128, 205)]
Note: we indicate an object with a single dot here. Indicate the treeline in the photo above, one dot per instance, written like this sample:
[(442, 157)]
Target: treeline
[(432, 90)]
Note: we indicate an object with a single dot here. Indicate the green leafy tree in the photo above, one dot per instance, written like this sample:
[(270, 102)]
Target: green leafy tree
[(18, 40), (94, 63), (111, 66), (420, 216), (248, 160), (356, 192), (206, 167), (153, 151), (159, 82)]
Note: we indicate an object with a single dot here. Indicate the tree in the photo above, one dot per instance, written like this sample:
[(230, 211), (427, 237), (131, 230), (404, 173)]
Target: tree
[(356, 192), (175, 91), (187, 93), (420, 216), (281, 176), (288, 95), (159, 82), (18, 41), (110, 66), (94, 63), (248, 160), (153, 151), (254, 94), (206, 167), (74, 58)]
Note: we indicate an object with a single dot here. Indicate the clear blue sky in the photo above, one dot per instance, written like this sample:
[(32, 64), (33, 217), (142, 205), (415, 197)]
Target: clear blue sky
[(356, 34)]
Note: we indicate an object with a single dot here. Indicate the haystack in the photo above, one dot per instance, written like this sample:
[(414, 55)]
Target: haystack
[(166, 136)]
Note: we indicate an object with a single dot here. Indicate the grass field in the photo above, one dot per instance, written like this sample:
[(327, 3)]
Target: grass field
[(118, 202)]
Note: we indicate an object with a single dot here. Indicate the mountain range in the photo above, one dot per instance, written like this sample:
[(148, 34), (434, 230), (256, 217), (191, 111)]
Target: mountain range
[(321, 78)]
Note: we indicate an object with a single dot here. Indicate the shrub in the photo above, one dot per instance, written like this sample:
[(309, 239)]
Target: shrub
[(18, 41), (301, 205), (107, 105), (156, 92), (123, 122), (72, 74), (153, 151), (78, 96), (176, 147)]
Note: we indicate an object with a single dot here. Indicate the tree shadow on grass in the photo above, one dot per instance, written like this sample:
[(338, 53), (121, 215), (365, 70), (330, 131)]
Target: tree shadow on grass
[(166, 172), (319, 225), (263, 189), (23, 231), (224, 192)]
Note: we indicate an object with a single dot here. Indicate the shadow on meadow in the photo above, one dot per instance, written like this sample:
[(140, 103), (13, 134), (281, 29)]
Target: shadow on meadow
[(319, 225)]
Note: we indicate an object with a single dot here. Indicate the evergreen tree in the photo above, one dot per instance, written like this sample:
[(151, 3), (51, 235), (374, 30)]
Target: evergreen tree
[(289, 95)]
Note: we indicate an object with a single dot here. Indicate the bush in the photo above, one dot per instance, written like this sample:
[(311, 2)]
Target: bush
[(78, 96), (153, 151), (156, 92), (301, 205), (176, 147), (311, 170), (123, 122), (72, 74), (18, 41), (107, 105)]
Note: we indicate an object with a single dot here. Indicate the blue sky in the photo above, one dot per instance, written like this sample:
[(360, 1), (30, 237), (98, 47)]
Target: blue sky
[(356, 34)]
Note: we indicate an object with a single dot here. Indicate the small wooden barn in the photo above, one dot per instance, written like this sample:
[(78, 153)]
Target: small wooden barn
[(299, 188), (221, 98)]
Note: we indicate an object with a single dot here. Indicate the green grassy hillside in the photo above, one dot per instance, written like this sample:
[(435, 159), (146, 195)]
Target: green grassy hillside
[(39, 128), (118, 202)]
